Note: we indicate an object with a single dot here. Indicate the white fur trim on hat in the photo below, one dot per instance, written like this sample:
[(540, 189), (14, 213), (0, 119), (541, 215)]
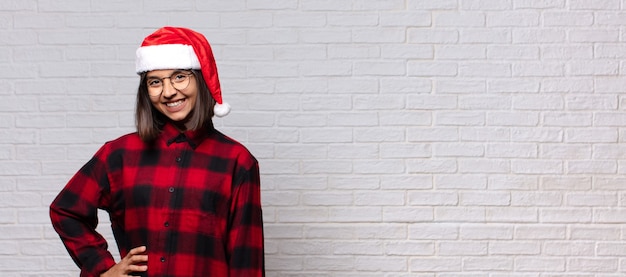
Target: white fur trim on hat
[(166, 56), (221, 110)]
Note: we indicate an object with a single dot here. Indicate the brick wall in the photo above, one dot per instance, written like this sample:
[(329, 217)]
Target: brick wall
[(441, 138)]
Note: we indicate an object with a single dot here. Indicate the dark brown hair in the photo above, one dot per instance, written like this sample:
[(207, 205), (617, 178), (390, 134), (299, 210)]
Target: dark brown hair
[(149, 120)]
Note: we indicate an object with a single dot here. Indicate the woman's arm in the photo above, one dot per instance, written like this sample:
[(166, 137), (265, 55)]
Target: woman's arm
[(245, 237), (74, 216)]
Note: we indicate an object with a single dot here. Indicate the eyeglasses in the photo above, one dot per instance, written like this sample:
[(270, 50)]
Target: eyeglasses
[(179, 80)]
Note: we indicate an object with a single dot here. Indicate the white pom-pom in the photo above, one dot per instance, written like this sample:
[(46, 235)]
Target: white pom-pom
[(221, 110)]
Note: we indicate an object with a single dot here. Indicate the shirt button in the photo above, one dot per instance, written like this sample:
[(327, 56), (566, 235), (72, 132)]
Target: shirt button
[(162, 259), (178, 159), (171, 189), (166, 224)]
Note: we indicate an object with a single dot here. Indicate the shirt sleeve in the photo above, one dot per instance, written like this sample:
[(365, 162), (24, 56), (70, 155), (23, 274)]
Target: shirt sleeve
[(74, 216), (245, 234)]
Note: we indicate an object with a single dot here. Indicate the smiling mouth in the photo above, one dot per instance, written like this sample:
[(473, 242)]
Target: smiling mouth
[(175, 103)]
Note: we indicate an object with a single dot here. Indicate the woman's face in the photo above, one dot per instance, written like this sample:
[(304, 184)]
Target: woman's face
[(173, 92)]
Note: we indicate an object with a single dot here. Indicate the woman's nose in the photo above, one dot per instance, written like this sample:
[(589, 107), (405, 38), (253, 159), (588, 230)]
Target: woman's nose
[(168, 90)]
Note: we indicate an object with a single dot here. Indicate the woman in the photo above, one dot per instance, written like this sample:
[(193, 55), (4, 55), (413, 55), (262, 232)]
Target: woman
[(183, 199)]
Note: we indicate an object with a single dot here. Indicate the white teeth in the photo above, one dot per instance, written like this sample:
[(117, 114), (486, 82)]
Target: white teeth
[(174, 104)]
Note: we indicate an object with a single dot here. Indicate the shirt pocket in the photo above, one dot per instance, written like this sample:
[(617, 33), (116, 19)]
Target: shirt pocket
[(203, 224), (204, 211)]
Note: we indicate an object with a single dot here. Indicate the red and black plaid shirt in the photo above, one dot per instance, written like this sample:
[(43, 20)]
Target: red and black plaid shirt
[(192, 198)]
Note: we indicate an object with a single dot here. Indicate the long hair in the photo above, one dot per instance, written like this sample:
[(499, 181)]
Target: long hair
[(149, 120)]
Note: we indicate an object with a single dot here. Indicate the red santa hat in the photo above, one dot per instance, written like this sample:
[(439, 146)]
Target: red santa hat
[(182, 48)]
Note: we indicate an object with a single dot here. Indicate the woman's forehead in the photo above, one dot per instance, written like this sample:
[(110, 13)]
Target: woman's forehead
[(162, 72)]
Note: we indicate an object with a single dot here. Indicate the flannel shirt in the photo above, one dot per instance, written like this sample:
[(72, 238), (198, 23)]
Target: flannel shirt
[(192, 198)]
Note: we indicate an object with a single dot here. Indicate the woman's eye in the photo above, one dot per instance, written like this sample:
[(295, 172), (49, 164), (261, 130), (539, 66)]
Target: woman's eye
[(154, 83), (180, 77)]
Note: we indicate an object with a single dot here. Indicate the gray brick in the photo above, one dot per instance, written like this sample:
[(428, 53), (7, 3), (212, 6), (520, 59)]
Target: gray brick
[(417, 137)]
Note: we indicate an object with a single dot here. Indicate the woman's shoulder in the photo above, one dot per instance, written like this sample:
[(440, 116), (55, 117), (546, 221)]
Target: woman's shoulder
[(128, 141), (226, 144), (127, 138)]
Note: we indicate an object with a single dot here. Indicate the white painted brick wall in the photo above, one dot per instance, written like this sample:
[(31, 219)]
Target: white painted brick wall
[(424, 138)]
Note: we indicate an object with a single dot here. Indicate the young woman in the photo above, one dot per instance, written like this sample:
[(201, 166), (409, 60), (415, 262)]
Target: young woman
[(183, 199)]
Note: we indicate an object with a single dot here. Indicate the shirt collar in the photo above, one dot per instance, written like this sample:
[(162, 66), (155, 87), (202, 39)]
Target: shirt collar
[(170, 135)]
